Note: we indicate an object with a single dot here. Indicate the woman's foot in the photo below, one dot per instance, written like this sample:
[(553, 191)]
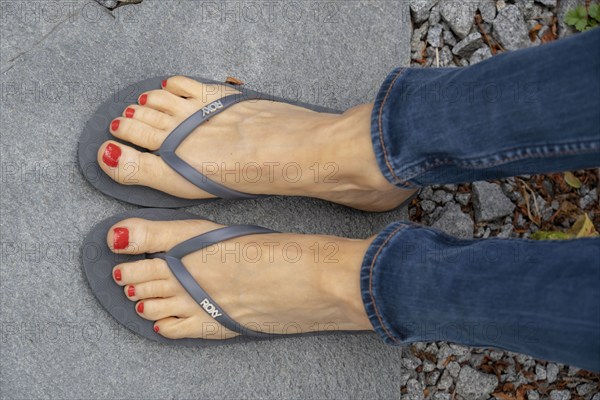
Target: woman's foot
[(275, 283), (256, 146)]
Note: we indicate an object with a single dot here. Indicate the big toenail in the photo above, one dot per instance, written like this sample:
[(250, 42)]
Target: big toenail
[(164, 83), (117, 274), (131, 291), (115, 125), (120, 238), (111, 155), (129, 112), (140, 307), (155, 328), (143, 99)]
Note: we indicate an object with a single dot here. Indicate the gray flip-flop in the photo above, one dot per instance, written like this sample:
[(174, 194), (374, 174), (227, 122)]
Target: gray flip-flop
[(99, 260), (96, 132)]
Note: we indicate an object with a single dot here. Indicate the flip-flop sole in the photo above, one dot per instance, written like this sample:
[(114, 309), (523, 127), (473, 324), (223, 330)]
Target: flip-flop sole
[(98, 263), (96, 132)]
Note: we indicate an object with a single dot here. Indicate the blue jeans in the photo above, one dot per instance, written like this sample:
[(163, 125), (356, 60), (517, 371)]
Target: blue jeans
[(530, 111)]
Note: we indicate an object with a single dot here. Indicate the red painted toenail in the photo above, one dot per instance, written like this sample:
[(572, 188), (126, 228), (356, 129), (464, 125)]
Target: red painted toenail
[(164, 83), (120, 238), (129, 112), (115, 125), (117, 274), (143, 99), (111, 155), (155, 328), (140, 307), (131, 291)]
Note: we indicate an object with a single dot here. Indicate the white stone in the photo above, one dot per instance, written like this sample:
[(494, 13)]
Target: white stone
[(420, 9), (459, 15), (510, 28)]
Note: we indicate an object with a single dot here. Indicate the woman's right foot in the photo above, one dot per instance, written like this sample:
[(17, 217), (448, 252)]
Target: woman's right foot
[(256, 147), (274, 283)]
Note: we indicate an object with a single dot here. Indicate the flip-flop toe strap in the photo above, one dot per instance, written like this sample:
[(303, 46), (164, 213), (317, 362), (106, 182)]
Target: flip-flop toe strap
[(173, 259), (182, 131)]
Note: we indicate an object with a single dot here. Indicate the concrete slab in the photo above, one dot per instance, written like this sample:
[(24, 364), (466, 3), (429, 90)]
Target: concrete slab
[(58, 61)]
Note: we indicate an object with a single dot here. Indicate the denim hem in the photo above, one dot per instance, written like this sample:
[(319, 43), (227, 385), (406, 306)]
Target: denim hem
[(500, 158), (378, 120), (501, 117), (368, 287)]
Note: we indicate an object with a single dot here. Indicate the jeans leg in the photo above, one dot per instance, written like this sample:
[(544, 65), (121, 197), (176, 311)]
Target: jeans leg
[(540, 298), (535, 110)]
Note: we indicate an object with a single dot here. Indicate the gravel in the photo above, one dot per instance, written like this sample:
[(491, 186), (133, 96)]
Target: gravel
[(487, 8), (419, 9), (403, 381), (428, 366), (587, 388), (445, 381), (445, 57), (468, 45), (479, 55), (428, 206), (453, 368), (442, 197), (415, 390), (454, 222), (551, 372), (449, 38), (510, 28), (463, 198), (446, 35), (490, 202), (506, 231), (458, 15), (433, 377), (434, 36), (411, 363), (540, 372), (426, 193), (589, 199), (560, 395), (473, 384), (533, 395)]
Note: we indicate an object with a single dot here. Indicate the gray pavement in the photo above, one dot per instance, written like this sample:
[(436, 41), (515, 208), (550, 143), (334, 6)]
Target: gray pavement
[(59, 61)]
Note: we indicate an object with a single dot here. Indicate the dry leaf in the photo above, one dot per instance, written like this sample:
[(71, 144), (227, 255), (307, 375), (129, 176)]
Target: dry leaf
[(448, 359), (549, 36), (487, 368), (572, 180), (583, 227), (233, 81), (552, 33), (522, 390), (533, 32), (568, 207)]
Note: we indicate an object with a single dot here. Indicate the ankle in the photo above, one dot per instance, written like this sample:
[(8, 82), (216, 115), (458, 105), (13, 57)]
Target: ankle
[(342, 282), (349, 154)]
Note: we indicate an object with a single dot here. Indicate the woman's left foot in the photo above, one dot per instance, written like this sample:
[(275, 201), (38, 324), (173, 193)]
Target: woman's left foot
[(274, 283), (255, 147)]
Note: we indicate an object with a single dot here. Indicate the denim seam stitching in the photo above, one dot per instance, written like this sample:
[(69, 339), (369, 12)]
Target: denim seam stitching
[(467, 162), (505, 159), (385, 154), (375, 308)]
